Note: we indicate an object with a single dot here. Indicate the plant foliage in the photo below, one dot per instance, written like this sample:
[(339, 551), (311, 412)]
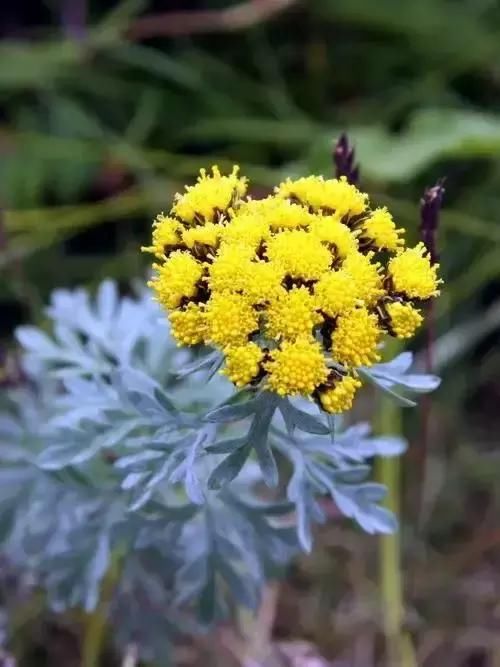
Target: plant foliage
[(122, 453)]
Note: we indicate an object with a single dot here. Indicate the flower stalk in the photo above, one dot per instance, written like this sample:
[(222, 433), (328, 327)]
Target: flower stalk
[(430, 208), (96, 622)]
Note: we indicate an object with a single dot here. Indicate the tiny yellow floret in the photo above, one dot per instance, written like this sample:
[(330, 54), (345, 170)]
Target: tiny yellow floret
[(301, 254), (381, 229), (242, 363), (264, 282), (245, 229), (296, 368), (336, 293), (404, 319), (188, 324), (176, 279), (356, 337), (340, 397), (330, 230), (229, 271), (212, 195), (332, 195), (279, 213), (413, 275), (207, 235), (166, 234), (230, 319), (365, 274), (293, 315)]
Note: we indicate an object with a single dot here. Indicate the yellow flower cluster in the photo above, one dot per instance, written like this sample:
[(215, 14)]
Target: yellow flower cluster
[(296, 289)]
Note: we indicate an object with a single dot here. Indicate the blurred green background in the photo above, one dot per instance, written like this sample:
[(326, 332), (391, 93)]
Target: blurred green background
[(106, 108)]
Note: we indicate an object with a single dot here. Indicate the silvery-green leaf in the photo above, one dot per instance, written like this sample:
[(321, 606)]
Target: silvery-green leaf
[(107, 300), (226, 446), (229, 468), (376, 520), (351, 474), (230, 413), (419, 383), (397, 366), (385, 385), (60, 456), (302, 420), (258, 438), (242, 588), (205, 361), (33, 340), (132, 480), (137, 461)]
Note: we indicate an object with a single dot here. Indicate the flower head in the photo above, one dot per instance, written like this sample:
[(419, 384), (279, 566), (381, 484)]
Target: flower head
[(301, 254), (245, 229), (296, 368), (176, 279), (188, 324), (211, 196), (166, 235), (404, 319), (230, 320), (264, 282), (279, 213), (356, 337), (365, 274), (413, 275), (336, 293), (242, 363), (339, 398), (295, 272), (293, 315), (331, 196), (379, 228), (330, 230), (229, 271), (205, 235)]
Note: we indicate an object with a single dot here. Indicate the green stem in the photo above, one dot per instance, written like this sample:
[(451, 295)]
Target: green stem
[(390, 575), (96, 622)]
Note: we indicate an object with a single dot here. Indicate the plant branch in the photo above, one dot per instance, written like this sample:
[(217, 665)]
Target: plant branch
[(231, 19)]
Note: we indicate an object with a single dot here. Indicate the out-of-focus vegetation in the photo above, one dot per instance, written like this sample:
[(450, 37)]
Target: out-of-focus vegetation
[(103, 113)]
